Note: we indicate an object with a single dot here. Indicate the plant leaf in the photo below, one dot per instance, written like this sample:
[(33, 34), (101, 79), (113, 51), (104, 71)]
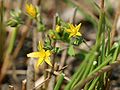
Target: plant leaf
[(71, 51)]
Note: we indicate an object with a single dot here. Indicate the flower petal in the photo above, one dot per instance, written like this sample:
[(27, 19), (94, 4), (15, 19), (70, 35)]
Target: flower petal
[(71, 26), (69, 30), (78, 34), (31, 10), (34, 54), (40, 46), (47, 53), (78, 27), (26, 7), (71, 34), (40, 60), (47, 60)]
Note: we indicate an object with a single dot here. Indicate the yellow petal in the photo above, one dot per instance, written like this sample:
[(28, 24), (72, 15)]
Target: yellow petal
[(31, 10), (78, 27), (48, 53), (78, 34), (47, 60), (69, 30), (71, 35), (40, 46), (71, 26), (31, 7), (43, 53), (34, 54), (26, 6), (40, 60)]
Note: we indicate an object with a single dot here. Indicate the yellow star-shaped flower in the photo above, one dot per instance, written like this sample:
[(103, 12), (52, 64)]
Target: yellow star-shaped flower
[(42, 55), (31, 10), (74, 30)]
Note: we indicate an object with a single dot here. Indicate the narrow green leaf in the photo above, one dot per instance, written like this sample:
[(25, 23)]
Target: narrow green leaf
[(59, 82), (93, 84)]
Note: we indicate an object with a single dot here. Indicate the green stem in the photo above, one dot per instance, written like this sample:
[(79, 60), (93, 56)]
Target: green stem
[(12, 40), (59, 82), (101, 27), (115, 54), (93, 84), (108, 43), (78, 77), (103, 48), (74, 77), (2, 30), (89, 84)]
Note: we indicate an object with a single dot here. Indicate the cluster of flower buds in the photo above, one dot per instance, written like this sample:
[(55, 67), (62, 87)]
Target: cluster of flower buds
[(15, 19)]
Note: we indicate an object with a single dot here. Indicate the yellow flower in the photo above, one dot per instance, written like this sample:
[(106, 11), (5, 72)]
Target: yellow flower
[(42, 55), (57, 28), (30, 10), (74, 30)]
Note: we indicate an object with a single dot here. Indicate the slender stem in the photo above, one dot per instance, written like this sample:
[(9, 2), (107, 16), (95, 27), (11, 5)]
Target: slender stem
[(7, 61), (12, 40), (93, 84), (52, 79), (38, 84), (21, 41), (74, 15), (59, 82), (54, 44), (30, 75), (34, 40), (63, 57), (2, 30)]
